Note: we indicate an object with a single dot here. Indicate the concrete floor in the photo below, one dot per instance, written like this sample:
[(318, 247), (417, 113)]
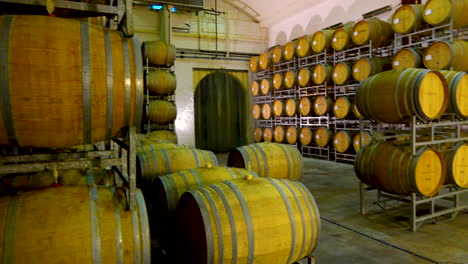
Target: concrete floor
[(335, 188)]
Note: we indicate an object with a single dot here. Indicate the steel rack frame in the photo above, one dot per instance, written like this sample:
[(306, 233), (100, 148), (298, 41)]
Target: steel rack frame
[(314, 59), (285, 66)]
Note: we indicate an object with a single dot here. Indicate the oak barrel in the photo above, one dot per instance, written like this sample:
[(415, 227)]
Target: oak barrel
[(278, 108), (290, 107), (321, 40), (264, 61), (256, 111), (305, 106), (278, 81), (254, 88), (342, 37), (291, 134), (372, 29), (159, 52), (342, 107), (278, 134), (277, 54), (163, 135), (289, 50), (305, 136), (303, 46), (253, 64), (322, 73), (438, 12), (265, 86), (458, 92), (322, 105), (266, 111), (290, 79), (160, 82), (444, 55), (365, 67), (267, 134), (407, 58), (161, 112), (258, 134), (322, 136), (407, 18), (342, 141), (456, 161), (304, 77), (361, 140), (341, 73)]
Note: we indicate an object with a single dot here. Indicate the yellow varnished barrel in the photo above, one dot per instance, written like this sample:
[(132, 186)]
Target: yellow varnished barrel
[(160, 82), (306, 136), (74, 225), (341, 73), (254, 88), (303, 46), (458, 92), (277, 54), (278, 134), (305, 106), (66, 83), (322, 105), (258, 134), (444, 55), (253, 64), (304, 77), (356, 111), (289, 50), (391, 167), (407, 58), (278, 81), (438, 12), (266, 111), (322, 73), (456, 163), (407, 18), (163, 135), (290, 79), (322, 136), (361, 140), (269, 160), (146, 144), (365, 67), (342, 37), (264, 61), (290, 107), (153, 161), (265, 86), (321, 40), (291, 134), (267, 134), (159, 53), (395, 96), (247, 215), (256, 111), (342, 141), (161, 112), (278, 108), (372, 29), (342, 107)]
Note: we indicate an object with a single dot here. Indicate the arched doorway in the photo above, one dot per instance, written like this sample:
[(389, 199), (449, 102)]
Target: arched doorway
[(220, 110)]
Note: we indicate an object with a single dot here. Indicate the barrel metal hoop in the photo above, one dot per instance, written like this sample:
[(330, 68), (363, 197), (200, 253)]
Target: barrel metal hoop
[(232, 223), (214, 159), (390, 170), (195, 155), (136, 234), (205, 158), (90, 177), (155, 162), (184, 178), (453, 94), (402, 158), (414, 159), (170, 195), (417, 108), (128, 80), (246, 157), (95, 225), (174, 190), (265, 160), (86, 76), (138, 61), (219, 228), (10, 230), (197, 177), (248, 221), (110, 84), (288, 158), (144, 228), (118, 228), (233, 174), (167, 161), (255, 154), (5, 103), (206, 223)]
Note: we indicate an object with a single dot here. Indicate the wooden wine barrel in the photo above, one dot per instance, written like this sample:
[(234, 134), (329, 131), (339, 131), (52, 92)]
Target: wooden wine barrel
[(278, 134), (54, 87), (290, 107), (147, 144), (356, 111), (165, 192), (458, 92), (342, 107), (443, 55), (269, 160), (372, 29), (322, 136), (265, 86), (159, 52), (264, 61), (456, 160), (305, 136), (341, 38), (277, 54), (365, 67), (164, 135), (290, 79), (391, 167), (305, 106), (267, 134), (407, 18), (438, 12), (160, 82), (153, 162), (246, 235), (303, 77), (322, 105), (322, 73), (256, 111), (303, 46), (289, 50), (321, 40), (361, 140), (341, 141), (278, 108), (392, 95), (253, 64), (266, 111), (407, 58), (341, 73), (258, 134), (74, 225), (161, 112), (278, 81), (291, 134), (254, 88)]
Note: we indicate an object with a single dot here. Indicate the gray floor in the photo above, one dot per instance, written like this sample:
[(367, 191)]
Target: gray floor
[(336, 191)]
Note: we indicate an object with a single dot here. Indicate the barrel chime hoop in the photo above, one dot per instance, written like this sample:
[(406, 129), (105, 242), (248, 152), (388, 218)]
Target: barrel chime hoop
[(206, 224), (219, 229), (310, 202), (110, 84), (144, 228), (128, 80), (304, 223), (118, 228), (138, 61), (95, 225), (197, 178), (184, 178), (136, 234)]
